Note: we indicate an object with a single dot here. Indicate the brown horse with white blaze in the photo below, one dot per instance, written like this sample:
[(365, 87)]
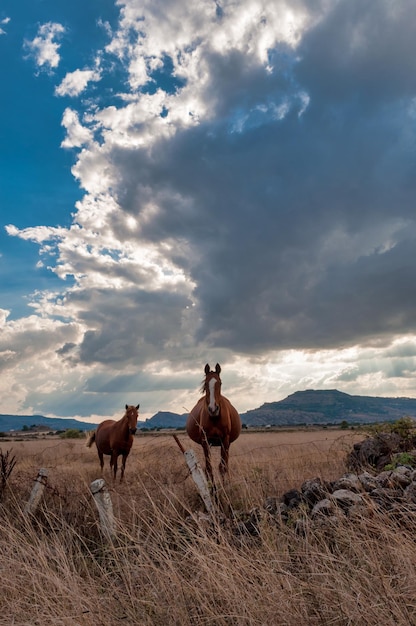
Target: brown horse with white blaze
[(116, 437), (213, 421)]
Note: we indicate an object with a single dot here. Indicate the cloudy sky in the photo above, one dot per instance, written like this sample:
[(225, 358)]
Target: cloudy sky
[(217, 181)]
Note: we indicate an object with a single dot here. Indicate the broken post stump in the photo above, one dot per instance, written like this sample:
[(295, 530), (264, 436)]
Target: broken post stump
[(104, 505), (37, 492)]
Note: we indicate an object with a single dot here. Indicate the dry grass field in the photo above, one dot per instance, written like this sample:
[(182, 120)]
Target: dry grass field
[(167, 566)]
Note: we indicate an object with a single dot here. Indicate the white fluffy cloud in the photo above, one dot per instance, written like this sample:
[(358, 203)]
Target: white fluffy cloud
[(44, 48), (4, 22), (76, 134), (75, 82)]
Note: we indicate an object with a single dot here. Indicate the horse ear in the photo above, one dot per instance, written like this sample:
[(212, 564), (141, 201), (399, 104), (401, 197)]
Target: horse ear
[(138, 407), (127, 406), (207, 369), (218, 368)]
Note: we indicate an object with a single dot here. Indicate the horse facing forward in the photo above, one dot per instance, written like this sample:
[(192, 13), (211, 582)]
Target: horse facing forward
[(116, 437), (213, 421)]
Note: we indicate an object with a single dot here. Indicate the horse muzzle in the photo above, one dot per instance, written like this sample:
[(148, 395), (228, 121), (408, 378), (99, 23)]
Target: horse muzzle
[(132, 431), (214, 412)]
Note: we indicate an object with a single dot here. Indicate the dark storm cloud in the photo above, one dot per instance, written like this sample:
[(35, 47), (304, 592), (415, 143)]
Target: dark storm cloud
[(130, 327), (137, 382), (362, 49), (258, 233), (299, 224)]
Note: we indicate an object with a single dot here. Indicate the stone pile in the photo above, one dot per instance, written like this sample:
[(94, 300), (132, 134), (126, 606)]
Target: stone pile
[(381, 481), (352, 494)]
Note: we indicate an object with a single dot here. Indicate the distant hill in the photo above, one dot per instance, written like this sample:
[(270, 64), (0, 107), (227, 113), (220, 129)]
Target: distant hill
[(329, 406), (17, 422), (303, 407), (165, 419)]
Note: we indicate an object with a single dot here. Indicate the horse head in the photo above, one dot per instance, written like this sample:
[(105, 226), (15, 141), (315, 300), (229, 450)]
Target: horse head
[(212, 389), (132, 414)]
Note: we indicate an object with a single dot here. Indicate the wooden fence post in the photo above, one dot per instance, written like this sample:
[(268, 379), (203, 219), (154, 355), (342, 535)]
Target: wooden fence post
[(104, 505), (37, 492), (198, 475)]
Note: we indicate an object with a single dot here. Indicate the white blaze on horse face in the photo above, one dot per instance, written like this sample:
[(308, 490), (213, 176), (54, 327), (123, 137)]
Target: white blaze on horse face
[(212, 406)]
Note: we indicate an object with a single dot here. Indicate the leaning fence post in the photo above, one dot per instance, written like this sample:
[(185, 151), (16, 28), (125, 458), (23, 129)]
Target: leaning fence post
[(197, 475), (37, 491), (104, 505)]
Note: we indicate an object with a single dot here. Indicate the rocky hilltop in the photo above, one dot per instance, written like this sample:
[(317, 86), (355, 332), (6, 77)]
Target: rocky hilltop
[(330, 406)]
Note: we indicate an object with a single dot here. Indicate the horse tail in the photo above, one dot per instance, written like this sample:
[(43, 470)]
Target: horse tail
[(91, 440)]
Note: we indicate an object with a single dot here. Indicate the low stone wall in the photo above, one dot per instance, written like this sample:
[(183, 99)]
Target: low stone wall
[(356, 493)]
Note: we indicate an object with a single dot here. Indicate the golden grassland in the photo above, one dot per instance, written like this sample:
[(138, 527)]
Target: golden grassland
[(167, 567)]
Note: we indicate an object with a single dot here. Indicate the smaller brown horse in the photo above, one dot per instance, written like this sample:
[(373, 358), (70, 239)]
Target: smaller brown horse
[(115, 438), (213, 421)]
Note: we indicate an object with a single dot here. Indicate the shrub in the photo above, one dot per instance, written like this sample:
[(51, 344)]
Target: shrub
[(402, 458), (72, 433), (404, 427)]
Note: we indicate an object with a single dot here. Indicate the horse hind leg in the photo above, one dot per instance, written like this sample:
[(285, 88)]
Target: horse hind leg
[(101, 458)]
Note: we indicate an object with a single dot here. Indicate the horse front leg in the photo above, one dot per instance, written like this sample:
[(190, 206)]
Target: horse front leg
[(123, 466), (225, 447), (208, 464), (113, 463)]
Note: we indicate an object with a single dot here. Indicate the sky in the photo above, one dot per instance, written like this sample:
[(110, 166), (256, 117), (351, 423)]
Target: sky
[(219, 181)]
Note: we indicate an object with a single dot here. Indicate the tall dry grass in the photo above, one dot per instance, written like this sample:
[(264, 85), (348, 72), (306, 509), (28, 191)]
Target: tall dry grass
[(168, 566)]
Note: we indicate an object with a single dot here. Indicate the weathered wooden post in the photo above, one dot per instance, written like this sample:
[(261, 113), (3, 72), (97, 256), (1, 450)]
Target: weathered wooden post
[(37, 492), (198, 475), (105, 507)]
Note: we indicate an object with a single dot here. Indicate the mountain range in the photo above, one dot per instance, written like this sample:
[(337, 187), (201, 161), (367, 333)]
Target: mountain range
[(27, 422), (302, 407)]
